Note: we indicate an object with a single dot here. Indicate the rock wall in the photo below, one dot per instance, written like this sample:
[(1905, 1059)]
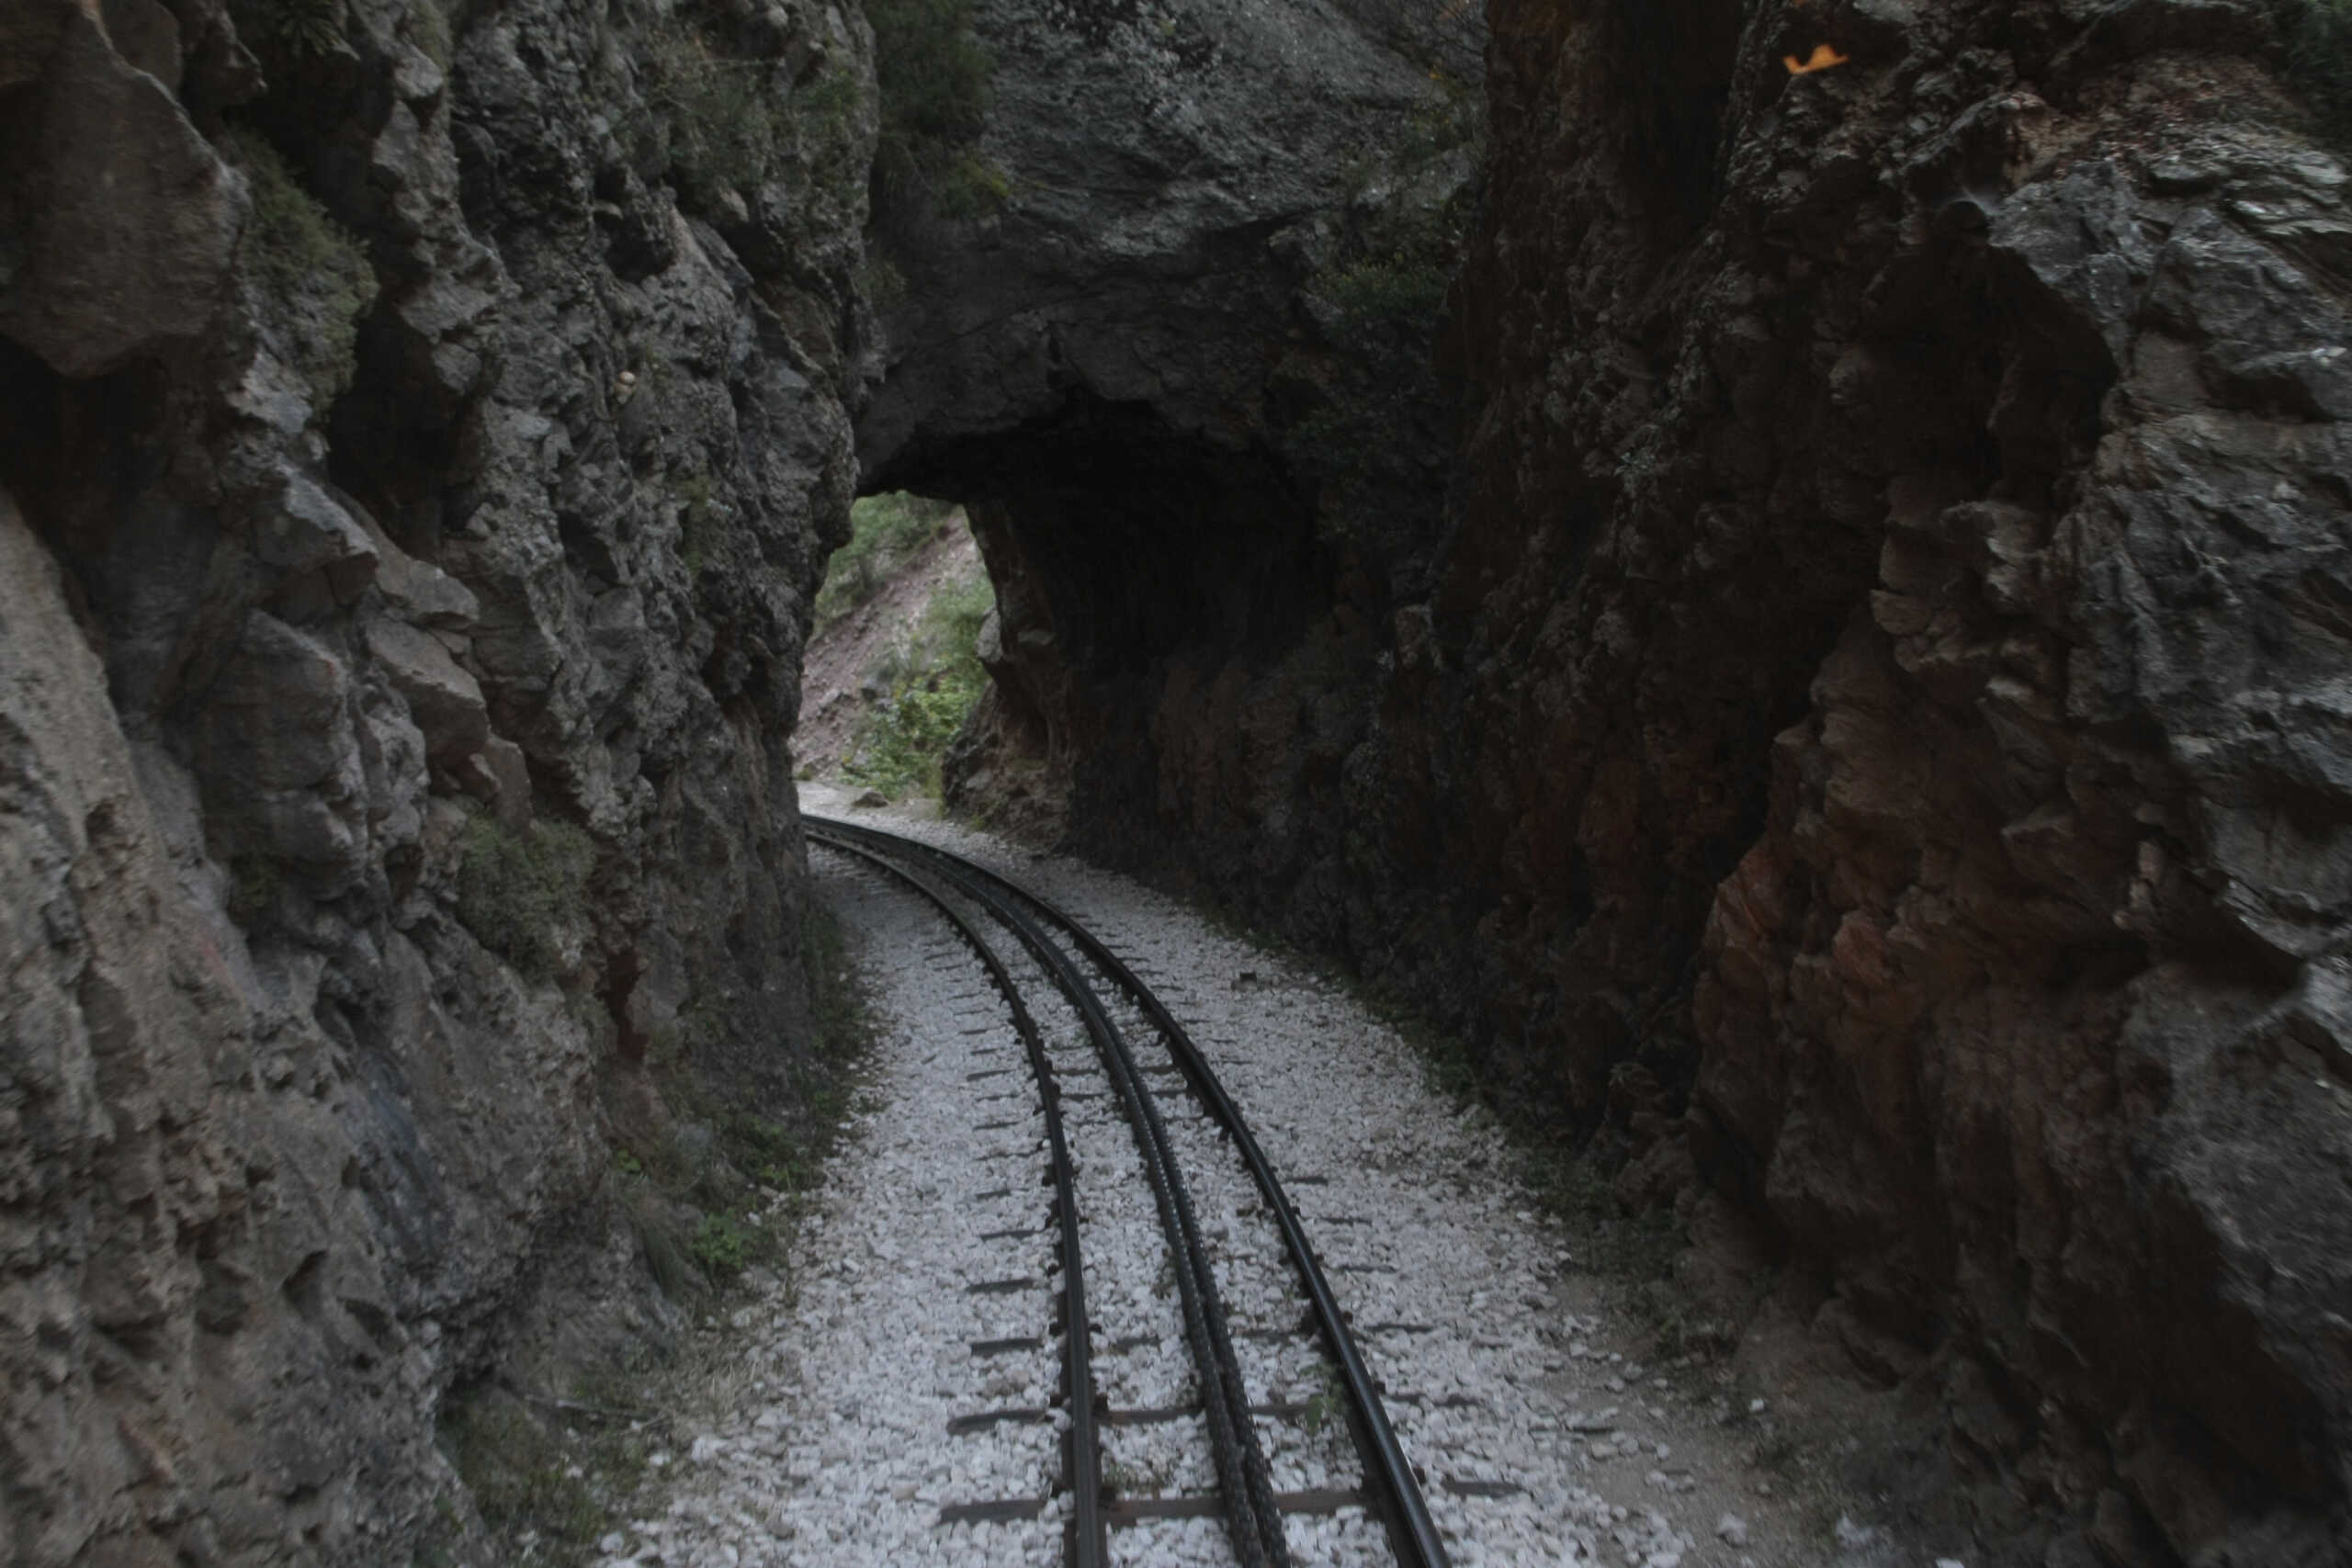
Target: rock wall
[(1933, 532), (1860, 718), (1161, 364), (421, 432)]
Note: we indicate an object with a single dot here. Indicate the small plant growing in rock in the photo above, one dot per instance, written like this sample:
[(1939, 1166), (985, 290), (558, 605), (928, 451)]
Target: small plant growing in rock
[(719, 1246), (933, 74), (253, 885), (2317, 36), (310, 267), (524, 1475), (428, 28), (726, 122), (884, 286), (298, 27), (519, 892), (968, 186), (1326, 1402)]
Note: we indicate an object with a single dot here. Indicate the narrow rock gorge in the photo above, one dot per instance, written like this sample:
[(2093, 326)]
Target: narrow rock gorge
[(1820, 655), (1782, 569)]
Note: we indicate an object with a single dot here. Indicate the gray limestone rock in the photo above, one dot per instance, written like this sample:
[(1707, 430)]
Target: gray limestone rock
[(122, 220), (341, 527)]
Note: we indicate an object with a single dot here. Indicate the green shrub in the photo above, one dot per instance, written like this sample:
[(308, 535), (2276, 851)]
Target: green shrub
[(969, 187), (254, 881), (836, 1001), (719, 1246), (933, 74), (518, 892), (885, 531), (1400, 287), (298, 27), (2317, 35), (884, 286), (723, 129), (901, 741), (309, 266), (428, 28), (729, 123), (523, 1478)]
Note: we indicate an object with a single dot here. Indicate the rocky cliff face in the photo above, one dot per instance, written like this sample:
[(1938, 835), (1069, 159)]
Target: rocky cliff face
[(1165, 359), (1934, 528), (424, 429), (1867, 717)]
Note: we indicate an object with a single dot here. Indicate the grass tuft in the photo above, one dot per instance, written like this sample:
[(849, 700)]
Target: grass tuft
[(300, 27), (2317, 36), (520, 893), (311, 268), (534, 1475), (933, 72), (724, 122)]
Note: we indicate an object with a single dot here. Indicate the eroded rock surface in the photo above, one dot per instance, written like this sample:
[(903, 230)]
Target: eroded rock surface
[(413, 419), (1145, 365)]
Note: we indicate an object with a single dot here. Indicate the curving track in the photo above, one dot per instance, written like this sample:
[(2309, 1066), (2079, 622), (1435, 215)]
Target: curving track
[(1133, 1038)]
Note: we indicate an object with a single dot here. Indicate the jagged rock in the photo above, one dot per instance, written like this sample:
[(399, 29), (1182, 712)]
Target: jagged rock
[(124, 220), (277, 755), (444, 701), (322, 511), (307, 532)]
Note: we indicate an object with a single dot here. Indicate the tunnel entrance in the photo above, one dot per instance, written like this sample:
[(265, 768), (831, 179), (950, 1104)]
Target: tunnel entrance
[(1088, 561)]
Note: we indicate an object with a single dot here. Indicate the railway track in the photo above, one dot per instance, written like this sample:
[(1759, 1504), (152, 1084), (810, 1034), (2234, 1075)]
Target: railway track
[(1117, 1037)]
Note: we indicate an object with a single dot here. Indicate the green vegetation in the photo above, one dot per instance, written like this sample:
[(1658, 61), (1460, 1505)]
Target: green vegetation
[(428, 28), (969, 188), (720, 1245), (553, 1470), (566, 1481), (298, 27), (700, 521), (307, 263), (724, 122), (2317, 35), (1375, 406), (886, 532), (519, 892), (701, 1196), (1401, 286), (937, 680), (1327, 1399), (1402, 260), (884, 286), (253, 885), (933, 74)]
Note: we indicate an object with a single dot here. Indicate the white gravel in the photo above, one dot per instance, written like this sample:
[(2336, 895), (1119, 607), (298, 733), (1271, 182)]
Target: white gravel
[(837, 1453)]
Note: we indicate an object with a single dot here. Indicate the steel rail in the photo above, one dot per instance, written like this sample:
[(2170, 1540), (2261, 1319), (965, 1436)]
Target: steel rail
[(1253, 1516), (1412, 1533), (1090, 1540)]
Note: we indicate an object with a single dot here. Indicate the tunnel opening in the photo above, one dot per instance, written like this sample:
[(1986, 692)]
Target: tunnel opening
[(1147, 538), (1128, 557)]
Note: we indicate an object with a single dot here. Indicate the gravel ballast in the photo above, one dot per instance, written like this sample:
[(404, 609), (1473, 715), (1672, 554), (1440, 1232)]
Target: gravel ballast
[(910, 1360)]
